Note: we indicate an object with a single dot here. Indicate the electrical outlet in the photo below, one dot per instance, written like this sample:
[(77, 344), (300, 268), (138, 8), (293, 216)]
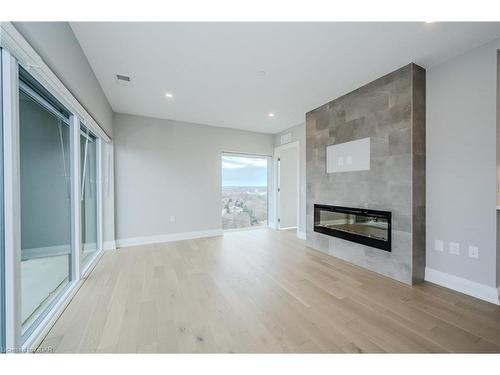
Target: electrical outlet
[(438, 245), (172, 219), (474, 252), (454, 248)]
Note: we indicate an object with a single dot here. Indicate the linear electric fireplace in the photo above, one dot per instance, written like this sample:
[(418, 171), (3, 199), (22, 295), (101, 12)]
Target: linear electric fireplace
[(367, 227)]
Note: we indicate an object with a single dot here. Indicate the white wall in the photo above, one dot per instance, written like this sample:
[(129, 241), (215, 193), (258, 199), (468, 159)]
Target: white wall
[(298, 133), (461, 163), (168, 168)]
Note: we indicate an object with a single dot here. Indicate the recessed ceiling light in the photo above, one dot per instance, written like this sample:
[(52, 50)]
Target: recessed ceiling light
[(429, 21), (271, 114), (169, 95)]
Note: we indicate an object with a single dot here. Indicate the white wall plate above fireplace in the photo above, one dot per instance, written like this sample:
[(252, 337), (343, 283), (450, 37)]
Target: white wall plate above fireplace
[(348, 156)]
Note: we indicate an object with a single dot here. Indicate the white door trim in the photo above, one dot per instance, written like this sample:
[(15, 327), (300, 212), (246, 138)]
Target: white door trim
[(277, 186), (12, 203)]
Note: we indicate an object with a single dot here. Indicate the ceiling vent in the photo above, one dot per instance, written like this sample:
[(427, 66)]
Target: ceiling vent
[(123, 80)]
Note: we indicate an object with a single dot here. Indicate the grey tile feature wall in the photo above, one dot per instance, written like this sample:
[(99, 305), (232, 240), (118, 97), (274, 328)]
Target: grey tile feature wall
[(391, 111), (418, 173)]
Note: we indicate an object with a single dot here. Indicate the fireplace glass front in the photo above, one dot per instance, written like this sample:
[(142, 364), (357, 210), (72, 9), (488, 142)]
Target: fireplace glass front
[(368, 227)]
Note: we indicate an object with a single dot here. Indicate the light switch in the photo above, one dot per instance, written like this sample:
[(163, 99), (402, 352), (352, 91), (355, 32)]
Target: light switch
[(348, 160)]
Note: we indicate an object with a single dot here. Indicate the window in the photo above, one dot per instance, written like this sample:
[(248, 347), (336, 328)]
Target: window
[(244, 191), (88, 200), (44, 132)]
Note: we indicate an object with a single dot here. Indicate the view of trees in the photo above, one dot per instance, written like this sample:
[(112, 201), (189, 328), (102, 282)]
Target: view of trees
[(244, 191), (244, 207)]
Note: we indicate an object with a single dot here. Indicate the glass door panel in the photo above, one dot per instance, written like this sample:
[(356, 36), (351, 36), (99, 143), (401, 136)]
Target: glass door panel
[(244, 191), (45, 204), (88, 204)]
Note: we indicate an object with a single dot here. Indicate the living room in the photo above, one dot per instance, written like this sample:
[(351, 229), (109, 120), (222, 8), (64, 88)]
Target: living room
[(250, 187)]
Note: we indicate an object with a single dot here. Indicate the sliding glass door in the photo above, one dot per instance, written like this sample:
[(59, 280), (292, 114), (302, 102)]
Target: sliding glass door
[(45, 180), (89, 195), (50, 218)]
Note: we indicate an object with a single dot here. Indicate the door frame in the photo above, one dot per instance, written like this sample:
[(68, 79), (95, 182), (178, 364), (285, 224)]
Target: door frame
[(276, 187), (11, 196)]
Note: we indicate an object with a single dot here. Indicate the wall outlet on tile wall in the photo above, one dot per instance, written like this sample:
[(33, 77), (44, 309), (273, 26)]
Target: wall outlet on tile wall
[(454, 248)]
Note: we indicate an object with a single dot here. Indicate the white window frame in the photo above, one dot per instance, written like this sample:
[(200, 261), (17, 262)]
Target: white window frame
[(17, 52), (12, 209)]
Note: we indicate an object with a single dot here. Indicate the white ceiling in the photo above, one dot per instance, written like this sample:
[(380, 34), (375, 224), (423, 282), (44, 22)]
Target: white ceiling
[(212, 69)]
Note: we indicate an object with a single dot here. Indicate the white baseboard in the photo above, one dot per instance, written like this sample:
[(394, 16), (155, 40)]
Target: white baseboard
[(137, 241), (471, 288), (287, 228), (246, 229), (109, 245), (301, 235)]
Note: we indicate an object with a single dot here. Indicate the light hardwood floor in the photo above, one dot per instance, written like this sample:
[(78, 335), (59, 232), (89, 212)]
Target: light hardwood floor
[(262, 291)]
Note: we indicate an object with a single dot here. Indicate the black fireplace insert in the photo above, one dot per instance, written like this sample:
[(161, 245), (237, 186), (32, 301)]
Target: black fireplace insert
[(367, 227)]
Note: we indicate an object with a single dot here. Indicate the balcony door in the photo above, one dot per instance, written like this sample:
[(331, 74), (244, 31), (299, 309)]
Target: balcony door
[(244, 191)]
